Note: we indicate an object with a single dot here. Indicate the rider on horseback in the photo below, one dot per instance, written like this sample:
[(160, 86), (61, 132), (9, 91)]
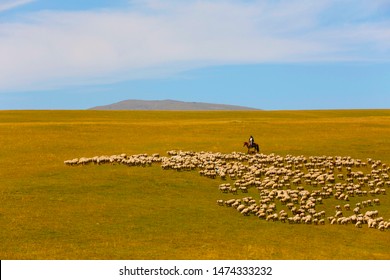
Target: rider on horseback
[(251, 141), (251, 144)]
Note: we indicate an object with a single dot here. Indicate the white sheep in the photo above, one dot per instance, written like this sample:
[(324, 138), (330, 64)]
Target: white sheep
[(240, 207), (246, 211), (339, 214), (271, 175), (371, 223), (272, 217), (220, 202), (230, 202)]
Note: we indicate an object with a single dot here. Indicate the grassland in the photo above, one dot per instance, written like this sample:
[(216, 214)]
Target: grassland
[(51, 211)]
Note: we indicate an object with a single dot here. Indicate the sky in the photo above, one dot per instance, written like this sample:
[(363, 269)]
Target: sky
[(271, 55)]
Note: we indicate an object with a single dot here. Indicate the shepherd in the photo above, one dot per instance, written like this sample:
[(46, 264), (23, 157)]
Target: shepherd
[(251, 144), (251, 141)]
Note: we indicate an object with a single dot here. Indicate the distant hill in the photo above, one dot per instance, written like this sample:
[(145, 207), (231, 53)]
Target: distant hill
[(169, 105)]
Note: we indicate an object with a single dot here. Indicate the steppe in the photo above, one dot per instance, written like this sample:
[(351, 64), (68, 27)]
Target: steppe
[(52, 211)]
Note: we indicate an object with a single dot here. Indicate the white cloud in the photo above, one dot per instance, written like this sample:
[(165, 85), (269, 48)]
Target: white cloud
[(154, 38), (11, 4)]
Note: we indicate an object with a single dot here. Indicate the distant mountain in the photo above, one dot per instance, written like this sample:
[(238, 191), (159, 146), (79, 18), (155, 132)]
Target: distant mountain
[(169, 105)]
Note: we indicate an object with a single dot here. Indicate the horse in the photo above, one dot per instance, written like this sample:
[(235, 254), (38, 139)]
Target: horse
[(254, 146)]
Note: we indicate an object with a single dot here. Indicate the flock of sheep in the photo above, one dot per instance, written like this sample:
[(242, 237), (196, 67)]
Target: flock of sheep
[(298, 185)]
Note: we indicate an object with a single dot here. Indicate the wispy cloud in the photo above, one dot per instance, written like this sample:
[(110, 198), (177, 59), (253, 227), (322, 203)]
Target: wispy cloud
[(155, 38), (11, 4)]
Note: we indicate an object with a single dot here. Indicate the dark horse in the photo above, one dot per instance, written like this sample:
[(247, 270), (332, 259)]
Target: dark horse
[(254, 146)]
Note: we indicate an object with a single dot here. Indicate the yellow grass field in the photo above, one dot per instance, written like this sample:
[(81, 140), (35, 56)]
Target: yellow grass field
[(52, 211)]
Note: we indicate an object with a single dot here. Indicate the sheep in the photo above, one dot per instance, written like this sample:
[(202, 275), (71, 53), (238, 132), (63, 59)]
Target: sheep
[(272, 175), (71, 162), (246, 212), (230, 202), (322, 214), (240, 207), (339, 220), (220, 202), (233, 190), (345, 221), (236, 204), (371, 214), (308, 219), (358, 224), (356, 210), (338, 214), (297, 219), (282, 219), (291, 220), (371, 223), (272, 217), (261, 215), (247, 200), (340, 176), (290, 205), (223, 188), (297, 181)]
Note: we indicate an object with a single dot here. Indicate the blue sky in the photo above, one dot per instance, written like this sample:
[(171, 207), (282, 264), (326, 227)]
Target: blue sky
[(273, 55)]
